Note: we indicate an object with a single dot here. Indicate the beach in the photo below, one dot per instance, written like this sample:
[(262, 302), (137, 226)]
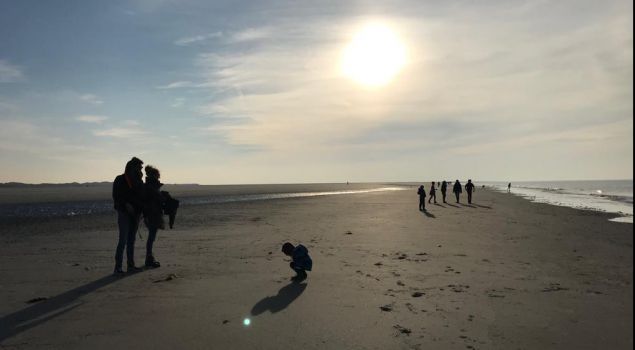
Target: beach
[(503, 273)]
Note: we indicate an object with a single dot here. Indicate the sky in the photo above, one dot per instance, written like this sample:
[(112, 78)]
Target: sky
[(232, 92)]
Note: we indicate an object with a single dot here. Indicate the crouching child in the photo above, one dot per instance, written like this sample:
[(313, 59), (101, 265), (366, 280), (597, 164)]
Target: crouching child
[(301, 261)]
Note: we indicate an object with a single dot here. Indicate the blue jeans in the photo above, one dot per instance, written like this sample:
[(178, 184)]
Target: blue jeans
[(128, 225), (300, 271)]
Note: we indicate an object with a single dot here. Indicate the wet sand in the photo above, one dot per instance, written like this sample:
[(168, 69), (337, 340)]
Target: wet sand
[(503, 273)]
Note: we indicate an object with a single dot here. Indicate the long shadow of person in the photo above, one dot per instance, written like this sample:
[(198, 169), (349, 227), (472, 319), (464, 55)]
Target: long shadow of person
[(439, 205), (452, 205), (430, 215), (483, 206), (46, 310), (286, 295)]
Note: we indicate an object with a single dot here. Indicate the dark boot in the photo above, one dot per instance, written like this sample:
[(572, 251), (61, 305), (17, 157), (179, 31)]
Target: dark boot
[(151, 262), (132, 268)]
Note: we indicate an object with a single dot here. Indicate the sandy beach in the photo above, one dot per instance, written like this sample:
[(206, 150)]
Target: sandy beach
[(503, 273)]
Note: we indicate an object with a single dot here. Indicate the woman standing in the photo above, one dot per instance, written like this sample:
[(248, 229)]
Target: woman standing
[(153, 211)]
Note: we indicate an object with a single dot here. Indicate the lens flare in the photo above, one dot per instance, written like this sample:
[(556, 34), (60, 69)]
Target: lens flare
[(246, 322)]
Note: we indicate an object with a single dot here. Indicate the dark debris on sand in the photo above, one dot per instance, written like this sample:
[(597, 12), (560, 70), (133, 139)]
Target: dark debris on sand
[(36, 300), (402, 330), (170, 277), (386, 308), (554, 287)]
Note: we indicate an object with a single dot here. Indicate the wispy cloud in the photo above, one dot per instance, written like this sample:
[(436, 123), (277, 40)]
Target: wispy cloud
[(178, 85), (96, 119), (120, 132), (250, 34), (90, 98), (185, 41), (245, 35), (178, 102), (10, 73)]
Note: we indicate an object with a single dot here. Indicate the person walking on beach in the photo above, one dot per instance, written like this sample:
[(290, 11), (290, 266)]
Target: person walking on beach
[(152, 211), (422, 198), (469, 188), (444, 189), (509, 187), (457, 189), (127, 193), (433, 193)]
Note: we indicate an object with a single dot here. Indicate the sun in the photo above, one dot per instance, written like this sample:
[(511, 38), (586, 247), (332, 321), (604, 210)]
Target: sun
[(374, 56)]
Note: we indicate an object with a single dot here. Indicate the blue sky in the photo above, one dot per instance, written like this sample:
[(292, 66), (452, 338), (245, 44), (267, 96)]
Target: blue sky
[(251, 92)]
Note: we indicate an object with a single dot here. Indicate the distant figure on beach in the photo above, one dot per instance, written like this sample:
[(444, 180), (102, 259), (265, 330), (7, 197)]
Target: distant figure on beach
[(457, 189), (301, 261), (433, 193), (422, 198), (469, 188), (152, 211), (127, 193), (444, 189), (509, 187)]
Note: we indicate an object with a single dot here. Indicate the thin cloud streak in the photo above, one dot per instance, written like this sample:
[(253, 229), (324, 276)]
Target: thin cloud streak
[(10, 73), (97, 119)]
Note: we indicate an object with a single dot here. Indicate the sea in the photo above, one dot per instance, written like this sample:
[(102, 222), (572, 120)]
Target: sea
[(610, 196), (196, 195)]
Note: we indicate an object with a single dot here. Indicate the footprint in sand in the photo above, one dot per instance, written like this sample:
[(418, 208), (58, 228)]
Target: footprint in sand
[(554, 287), (402, 330), (493, 293), (458, 288), (387, 307), (411, 308)]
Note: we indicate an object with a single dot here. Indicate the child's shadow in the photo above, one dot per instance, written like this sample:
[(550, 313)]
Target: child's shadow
[(286, 295)]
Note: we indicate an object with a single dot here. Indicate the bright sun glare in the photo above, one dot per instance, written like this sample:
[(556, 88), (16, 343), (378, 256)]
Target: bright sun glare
[(374, 56)]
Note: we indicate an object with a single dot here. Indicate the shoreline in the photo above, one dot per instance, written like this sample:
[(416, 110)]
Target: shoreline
[(77, 195)]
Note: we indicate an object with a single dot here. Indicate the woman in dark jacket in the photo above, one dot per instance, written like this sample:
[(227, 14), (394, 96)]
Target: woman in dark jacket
[(152, 211)]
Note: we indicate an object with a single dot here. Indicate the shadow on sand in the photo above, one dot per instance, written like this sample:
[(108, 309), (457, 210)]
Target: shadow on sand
[(483, 206), (286, 295), (428, 214), (452, 205), (46, 310), (439, 205)]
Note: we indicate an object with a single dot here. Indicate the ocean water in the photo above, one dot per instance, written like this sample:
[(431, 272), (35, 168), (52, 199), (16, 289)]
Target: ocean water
[(610, 196), (97, 206)]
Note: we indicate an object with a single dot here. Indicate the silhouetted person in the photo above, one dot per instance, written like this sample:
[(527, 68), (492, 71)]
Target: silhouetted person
[(152, 211), (301, 261), (469, 188), (457, 189), (509, 187), (444, 189), (433, 193), (127, 193), (422, 197)]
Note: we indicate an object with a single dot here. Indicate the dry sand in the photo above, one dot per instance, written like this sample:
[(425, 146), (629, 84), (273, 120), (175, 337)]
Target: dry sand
[(501, 274)]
